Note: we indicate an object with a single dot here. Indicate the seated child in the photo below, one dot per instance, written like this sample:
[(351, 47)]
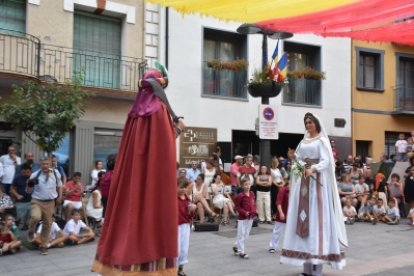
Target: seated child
[(362, 190), (56, 237), (73, 229), (379, 211), (9, 221), (411, 216), (393, 213), (366, 212), (8, 242), (349, 212)]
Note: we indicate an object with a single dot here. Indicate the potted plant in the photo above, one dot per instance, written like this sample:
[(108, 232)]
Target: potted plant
[(307, 73), (232, 65), (265, 83)]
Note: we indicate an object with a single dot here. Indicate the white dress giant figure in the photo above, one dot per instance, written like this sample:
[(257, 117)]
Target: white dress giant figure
[(315, 231)]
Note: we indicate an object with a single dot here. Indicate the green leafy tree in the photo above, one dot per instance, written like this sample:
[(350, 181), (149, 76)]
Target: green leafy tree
[(45, 112)]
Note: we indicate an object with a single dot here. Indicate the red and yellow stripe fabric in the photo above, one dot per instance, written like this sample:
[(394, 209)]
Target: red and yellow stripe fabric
[(373, 20)]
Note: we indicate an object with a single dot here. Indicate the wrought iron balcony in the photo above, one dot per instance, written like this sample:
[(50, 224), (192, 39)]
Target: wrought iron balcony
[(303, 92), (404, 100), (224, 83), (25, 54)]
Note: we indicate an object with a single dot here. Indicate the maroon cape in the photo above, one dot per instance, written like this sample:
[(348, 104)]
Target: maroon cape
[(141, 221)]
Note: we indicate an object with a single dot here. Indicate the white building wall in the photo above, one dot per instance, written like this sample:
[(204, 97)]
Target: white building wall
[(185, 89)]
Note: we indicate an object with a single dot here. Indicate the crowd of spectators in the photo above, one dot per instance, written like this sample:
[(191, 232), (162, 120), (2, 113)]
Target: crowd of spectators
[(60, 212), (39, 198), (366, 195)]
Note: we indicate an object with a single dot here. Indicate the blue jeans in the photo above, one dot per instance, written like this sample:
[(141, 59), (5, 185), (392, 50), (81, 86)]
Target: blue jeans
[(23, 212)]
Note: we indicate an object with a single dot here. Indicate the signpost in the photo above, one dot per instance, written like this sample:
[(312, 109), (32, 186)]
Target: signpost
[(268, 122), (197, 144)]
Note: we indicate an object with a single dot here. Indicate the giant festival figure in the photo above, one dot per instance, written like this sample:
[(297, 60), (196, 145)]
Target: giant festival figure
[(315, 231), (139, 235)]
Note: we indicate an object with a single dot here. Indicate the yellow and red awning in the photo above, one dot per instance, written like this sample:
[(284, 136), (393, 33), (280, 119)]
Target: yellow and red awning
[(372, 20)]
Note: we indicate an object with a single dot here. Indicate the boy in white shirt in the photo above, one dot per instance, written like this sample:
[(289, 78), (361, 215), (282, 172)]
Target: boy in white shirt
[(379, 211), (56, 237), (349, 212), (393, 213), (73, 229), (401, 146)]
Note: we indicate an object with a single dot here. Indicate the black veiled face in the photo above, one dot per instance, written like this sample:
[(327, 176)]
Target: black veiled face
[(310, 126)]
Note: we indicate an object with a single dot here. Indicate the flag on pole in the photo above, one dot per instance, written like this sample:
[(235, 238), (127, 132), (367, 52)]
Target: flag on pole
[(282, 67), (275, 60)]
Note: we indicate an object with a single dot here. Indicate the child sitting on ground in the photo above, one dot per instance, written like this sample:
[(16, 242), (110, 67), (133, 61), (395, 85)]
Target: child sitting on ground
[(366, 212), (8, 242), (56, 237), (362, 190), (411, 216), (393, 213), (349, 212), (10, 223), (74, 227), (379, 211)]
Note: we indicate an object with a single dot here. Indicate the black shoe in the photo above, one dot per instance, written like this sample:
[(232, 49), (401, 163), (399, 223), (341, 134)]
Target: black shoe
[(244, 256), (235, 250)]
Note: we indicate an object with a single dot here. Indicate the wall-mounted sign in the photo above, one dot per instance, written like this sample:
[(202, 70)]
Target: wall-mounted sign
[(197, 144), (268, 122)]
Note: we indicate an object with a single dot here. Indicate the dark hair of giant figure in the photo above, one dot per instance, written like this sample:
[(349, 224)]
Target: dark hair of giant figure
[(314, 119)]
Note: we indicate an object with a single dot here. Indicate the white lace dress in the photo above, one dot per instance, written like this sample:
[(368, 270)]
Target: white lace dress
[(321, 245)]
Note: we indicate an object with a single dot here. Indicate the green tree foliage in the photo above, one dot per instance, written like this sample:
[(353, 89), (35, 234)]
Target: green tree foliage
[(45, 112)]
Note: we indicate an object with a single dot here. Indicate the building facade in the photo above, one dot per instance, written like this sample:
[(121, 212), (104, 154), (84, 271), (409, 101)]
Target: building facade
[(103, 42), (382, 96), (219, 100)]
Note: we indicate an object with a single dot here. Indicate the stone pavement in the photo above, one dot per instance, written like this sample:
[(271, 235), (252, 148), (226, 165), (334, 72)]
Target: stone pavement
[(374, 250)]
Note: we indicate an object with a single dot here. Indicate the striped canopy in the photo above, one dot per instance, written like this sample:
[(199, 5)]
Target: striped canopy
[(372, 20)]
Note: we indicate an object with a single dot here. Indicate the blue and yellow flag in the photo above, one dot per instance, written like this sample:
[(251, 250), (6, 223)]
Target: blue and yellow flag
[(282, 67)]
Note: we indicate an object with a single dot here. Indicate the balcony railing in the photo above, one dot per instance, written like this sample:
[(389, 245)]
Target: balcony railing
[(224, 83), (303, 92), (25, 54), (404, 99)]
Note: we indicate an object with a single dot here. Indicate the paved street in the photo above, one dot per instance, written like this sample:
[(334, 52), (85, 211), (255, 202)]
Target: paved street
[(374, 250)]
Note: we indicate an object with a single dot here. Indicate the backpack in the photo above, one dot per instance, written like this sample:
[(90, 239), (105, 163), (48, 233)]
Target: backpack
[(40, 171)]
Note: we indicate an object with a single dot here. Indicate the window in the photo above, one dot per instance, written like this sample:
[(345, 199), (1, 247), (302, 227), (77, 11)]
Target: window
[(106, 142), (405, 83), (97, 49), (13, 17), (370, 69), (224, 46), (302, 91)]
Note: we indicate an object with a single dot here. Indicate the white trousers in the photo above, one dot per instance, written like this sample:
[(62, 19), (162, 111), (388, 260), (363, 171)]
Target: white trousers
[(263, 205), (243, 232), (183, 243), (278, 232)]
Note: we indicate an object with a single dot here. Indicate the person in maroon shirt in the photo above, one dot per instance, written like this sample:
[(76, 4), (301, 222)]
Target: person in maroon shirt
[(185, 211), (246, 207), (282, 203)]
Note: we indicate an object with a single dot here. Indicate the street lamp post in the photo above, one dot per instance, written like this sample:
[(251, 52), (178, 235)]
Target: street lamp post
[(264, 147)]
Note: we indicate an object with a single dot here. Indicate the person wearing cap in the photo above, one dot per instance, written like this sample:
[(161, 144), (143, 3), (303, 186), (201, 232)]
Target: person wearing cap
[(234, 171), (193, 171)]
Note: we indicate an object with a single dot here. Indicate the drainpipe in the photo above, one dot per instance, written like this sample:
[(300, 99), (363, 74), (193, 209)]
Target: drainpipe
[(166, 35)]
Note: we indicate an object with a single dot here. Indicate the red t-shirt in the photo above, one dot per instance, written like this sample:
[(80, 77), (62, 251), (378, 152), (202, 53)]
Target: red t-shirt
[(6, 238), (75, 195), (283, 200), (246, 204), (183, 214)]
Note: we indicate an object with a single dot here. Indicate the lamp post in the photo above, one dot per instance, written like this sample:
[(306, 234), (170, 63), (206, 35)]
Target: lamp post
[(265, 153)]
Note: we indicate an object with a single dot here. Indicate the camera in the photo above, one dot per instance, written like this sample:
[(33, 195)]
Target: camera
[(32, 182)]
